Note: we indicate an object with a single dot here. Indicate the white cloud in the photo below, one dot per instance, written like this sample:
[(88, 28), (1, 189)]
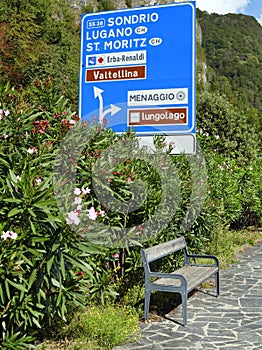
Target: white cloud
[(222, 6), (260, 19)]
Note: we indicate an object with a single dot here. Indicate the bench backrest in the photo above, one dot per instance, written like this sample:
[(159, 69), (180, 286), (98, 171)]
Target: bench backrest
[(163, 249)]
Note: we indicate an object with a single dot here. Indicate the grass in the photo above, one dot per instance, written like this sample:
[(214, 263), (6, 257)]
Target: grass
[(96, 328), (229, 244)]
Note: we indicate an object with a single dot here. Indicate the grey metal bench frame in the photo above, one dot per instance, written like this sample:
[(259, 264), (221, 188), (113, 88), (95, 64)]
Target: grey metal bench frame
[(181, 281)]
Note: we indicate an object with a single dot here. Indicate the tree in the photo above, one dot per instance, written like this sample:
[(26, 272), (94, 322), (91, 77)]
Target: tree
[(105, 5), (39, 38), (233, 48)]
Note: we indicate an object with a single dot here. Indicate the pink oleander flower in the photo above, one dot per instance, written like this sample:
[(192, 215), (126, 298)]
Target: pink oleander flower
[(101, 213), (12, 234), (5, 235), (72, 218), (85, 190), (32, 150), (139, 229), (38, 181), (9, 234), (78, 200), (115, 255), (77, 191), (92, 214), (72, 122)]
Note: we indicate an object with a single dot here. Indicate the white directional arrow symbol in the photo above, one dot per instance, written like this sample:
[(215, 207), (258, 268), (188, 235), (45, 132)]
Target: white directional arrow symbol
[(113, 108), (98, 93)]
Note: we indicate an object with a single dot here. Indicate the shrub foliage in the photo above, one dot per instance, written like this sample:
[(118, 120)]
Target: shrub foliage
[(45, 265)]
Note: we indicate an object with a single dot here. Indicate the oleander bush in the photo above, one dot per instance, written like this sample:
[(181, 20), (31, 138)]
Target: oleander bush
[(46, 264), (40, 255), (60, 240), (232, 147)]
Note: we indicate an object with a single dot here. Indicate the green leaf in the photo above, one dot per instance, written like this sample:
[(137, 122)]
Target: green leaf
[(55, 283), (78, 263), (2, 296), (36, 322), (36, 252), (12, 200), (28, 261), (33, 311), (40, 306), (32, 225), (22, 294), (16, 285), (31, 212), (14, 212), (49, 264), (42, 294), (58, 298), (32, 278), (13, 177), (40, 239), (62, 266), (63, 308), (7, 289), (5, 163), (55, 246)]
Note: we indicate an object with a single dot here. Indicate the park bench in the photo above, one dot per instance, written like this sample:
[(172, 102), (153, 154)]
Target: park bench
[(182, 280)]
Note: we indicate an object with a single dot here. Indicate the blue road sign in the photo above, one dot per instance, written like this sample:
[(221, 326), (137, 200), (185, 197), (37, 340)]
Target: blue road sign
[(138, 67)]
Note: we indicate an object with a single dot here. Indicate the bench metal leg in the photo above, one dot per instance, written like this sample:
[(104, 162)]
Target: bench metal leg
[(147, 303), (184, 307), (217, 283)]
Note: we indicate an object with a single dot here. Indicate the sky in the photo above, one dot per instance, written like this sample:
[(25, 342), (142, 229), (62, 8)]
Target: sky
[(247, 7)]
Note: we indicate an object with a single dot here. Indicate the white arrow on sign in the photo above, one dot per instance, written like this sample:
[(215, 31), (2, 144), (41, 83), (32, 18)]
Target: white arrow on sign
[(112, 110)]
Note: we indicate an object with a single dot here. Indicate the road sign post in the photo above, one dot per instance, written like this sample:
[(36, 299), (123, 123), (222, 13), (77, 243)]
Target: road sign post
[(137, 70)]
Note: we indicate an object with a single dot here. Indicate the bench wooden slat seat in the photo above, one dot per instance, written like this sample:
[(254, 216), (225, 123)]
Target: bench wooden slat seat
[(194, 275), (182, 280)]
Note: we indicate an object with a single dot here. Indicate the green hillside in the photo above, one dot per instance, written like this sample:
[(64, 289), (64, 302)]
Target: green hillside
[(233, 49)]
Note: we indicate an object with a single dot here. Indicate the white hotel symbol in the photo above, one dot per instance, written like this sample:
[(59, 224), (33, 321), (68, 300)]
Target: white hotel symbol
[(134, 117)]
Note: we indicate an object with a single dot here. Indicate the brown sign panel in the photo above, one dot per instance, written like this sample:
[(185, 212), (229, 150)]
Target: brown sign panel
[(116, 73), (157, 116)]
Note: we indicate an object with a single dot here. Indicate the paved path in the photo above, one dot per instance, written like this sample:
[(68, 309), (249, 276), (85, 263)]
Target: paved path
[(231, 321)]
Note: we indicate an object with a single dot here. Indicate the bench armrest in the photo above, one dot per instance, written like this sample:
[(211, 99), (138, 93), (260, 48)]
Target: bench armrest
[(199, 256), (168, 275)]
